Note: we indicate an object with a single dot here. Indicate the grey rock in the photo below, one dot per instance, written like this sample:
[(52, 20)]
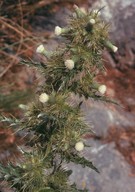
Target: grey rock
[(120, 14), (101, 117), (114, 170), (116, 11), (49, 21)]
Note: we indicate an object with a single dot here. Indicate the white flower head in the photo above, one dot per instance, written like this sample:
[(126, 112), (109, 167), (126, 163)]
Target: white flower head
[(43, 98), (79, 146), (40, 49), (114, 48), (22, 106), (58, 30), (92, 21), (69, 63), (102, 89)]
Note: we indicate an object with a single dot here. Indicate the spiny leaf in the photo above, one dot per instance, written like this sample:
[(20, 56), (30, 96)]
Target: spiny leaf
[(80, 160)]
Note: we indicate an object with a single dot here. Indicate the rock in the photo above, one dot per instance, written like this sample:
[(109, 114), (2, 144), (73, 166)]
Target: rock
[(102, 116), (49, 20), (114, 170), (120, 14)]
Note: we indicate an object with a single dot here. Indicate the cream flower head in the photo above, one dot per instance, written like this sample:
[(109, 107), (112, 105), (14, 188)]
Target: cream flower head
[(58, 30), (102, 89), (69, 63), (114, 48), (79, 146), (92, 21), (40, 49), (43, 98)]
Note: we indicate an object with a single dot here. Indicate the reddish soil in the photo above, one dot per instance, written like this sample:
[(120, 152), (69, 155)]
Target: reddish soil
[(121, 86), (125, 144), (8, 145)]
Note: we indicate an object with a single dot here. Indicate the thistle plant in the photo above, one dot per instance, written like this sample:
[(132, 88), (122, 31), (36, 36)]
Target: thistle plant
[(55, 125)]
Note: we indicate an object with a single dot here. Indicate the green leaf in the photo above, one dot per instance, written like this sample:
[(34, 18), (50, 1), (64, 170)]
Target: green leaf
[(80, 160)]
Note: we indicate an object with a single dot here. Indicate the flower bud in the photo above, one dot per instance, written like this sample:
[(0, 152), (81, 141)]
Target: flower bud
[(69, 64), (92, 21), (58, 30), (114, 48), (40, 49), (79, 146), (43, 98), (109, 45), (22, 106), (102, 89), (79, 11)]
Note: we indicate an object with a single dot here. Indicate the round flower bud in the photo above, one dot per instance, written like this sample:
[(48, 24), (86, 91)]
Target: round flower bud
[(69, 64), (109, 45), (43, 98), (79, 146), (102, 89), (58, 30), (40, 49), (92, 21), (22, 106), (114, 48)]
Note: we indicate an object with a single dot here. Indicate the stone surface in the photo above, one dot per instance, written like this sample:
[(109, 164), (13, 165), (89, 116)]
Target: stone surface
[(49, 20), (116, 12), (120, 14), (102, 116), (114, 170)]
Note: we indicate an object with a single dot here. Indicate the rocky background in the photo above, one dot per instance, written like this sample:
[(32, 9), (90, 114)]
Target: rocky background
[(113, 146)]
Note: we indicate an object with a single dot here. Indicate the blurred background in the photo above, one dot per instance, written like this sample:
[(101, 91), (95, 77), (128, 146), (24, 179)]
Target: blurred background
[(24, 24)]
